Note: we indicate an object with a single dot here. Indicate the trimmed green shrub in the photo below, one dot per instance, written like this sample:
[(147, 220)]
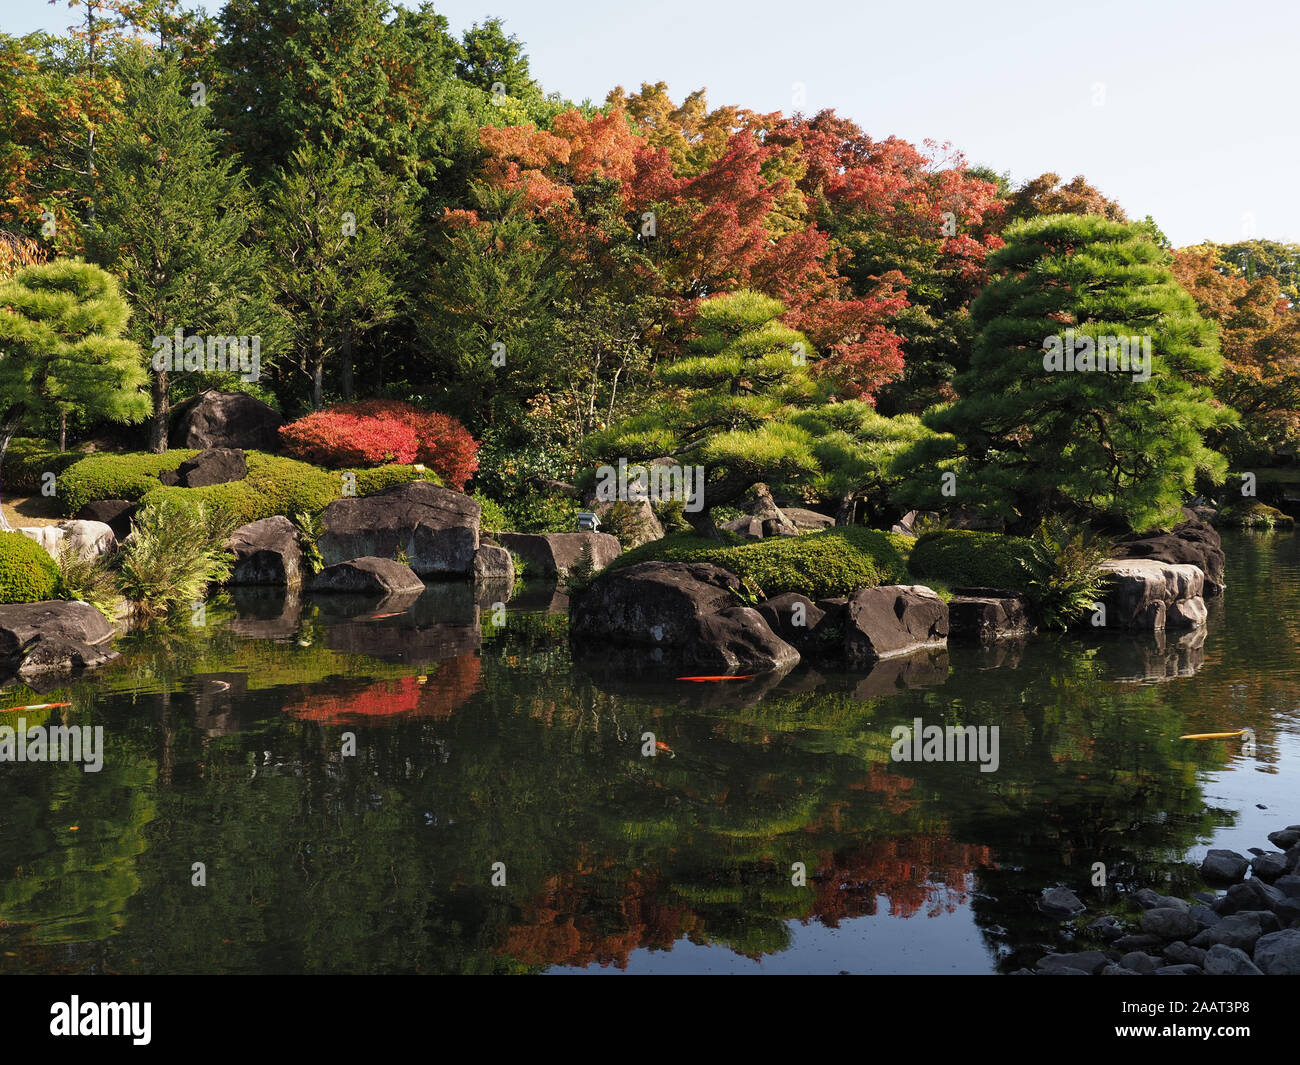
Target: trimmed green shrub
[(130, 476), (964, 558), (832, 562), (28, 460), (27, 573)]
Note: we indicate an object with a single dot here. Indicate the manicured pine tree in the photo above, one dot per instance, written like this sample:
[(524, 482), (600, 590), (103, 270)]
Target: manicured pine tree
[(174, 223), (62, 345), (1104, 445)]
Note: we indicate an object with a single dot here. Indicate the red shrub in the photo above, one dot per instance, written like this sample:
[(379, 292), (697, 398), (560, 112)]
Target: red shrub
[(377, 431)]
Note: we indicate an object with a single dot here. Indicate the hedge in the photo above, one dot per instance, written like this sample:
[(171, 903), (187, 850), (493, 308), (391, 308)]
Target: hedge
[(833, 562), (27, 461), (964, 558), (27, 573), (131, 476), (278, 485)]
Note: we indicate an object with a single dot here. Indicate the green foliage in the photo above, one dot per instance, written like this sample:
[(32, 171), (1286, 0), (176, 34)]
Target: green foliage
[(964, 558), (87, 579), (129, 476), (535, 512), (174, 554), (1028, 440), (27, 573), (672, 515), (1066, 578), (627, 523), (309, 532), (832, 562), (27, 460), (1252, 514), (494, 518), (582, 571)]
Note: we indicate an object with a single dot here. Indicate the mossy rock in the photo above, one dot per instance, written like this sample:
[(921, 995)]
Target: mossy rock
[(833, 562), (965, 558), (1252, 514), (27, 573)]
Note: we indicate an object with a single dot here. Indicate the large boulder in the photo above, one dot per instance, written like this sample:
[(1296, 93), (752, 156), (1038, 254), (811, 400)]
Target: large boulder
[(893, 620), (266, 552), (1147, 594), (89, 539), (368, 576), (1190, 543), (987, 614), (54, 654), (555, 554), (216, 465), (493, 563), (808, 520), (438, 529), (115, 513), (226, 419), (688, 614), (74, 621)]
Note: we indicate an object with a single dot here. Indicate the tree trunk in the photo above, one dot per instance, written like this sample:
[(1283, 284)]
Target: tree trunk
[(347, 364), (9, 428), (318, 385), (703, 524), (848, 510), (63, 430), (161, 409)]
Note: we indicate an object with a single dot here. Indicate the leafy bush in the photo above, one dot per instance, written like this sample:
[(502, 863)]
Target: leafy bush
[(536, 513), (176, 552), (129, 476), (87, 579), (964, 558), (832, 562), (494, 518), (377, 431), (27, 461), (27, 573), (1066, 578), (1252, 514), (627, 523), (279, 485)]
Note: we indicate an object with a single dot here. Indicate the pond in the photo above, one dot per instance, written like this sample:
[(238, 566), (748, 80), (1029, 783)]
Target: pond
[(436, 787)]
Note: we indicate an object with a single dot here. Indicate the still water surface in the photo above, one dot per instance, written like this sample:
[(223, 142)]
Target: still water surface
[(478, 744)]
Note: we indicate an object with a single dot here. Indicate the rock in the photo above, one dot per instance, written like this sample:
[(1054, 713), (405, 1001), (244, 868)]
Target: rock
[(890, 676), (1278, 953), (368, 576), (1191, 543), (1288, 885), (266, 552), (89, 539), (1204, 916), (50, 537), (1117, 970), (1224, 867), (687, 612), (1086, 961), (1253, 894), (56, 654), (1222, 960), (1061, 902), (1179, 953), (115, 513), (808, 520), (437, 528), (1179, 970), (893, 620), (1269, 866), (75, 622), (1187, 614), (1238, 930), (1286, 838), (1137, 942), (555, 554), (1167, 922), (1106, 928), (648, 527), (986, 614), (1139, 962), (493, 563), (216, 465), (1142, 590), (226, 419), (795, 619), (1149, 900), (909, 524)]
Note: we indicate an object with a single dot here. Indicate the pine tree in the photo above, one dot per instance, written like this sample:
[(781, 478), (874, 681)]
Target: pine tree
[(61, 345), (1039, 427), (173, 223)]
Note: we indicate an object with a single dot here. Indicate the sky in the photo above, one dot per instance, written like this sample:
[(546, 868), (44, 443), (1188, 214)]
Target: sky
[(1180, 109)]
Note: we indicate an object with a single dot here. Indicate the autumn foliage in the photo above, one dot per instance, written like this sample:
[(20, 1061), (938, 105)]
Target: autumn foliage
[(375, 432)]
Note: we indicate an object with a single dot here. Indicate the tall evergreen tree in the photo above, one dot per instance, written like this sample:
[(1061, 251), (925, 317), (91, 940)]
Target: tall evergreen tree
[(173, 223), (1051, 417)]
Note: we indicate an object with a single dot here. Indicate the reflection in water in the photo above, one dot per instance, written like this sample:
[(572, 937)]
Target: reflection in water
[(479, 743)]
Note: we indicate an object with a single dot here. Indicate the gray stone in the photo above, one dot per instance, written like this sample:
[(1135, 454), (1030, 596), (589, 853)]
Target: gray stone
[(1142, 590), (1224, 866), (493, 563), (1269, 866), (1204, 916), (1286, 838), (1222, 960), (1252, 894), (556, 554), (266, 552), (1106, 928), (893, 620), (987, 614), (216, 465), (1087, 961), (1236, 930), (1179, 970), (72, 621), (226, 419), (1117, 970), (368, 576), (1140, 962), (1061, 902), (1180, 953), (1278, 953), (1168, 923), (1149, 900)]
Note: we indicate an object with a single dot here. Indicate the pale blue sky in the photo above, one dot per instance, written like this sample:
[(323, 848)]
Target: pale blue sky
[(1195, 124)]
